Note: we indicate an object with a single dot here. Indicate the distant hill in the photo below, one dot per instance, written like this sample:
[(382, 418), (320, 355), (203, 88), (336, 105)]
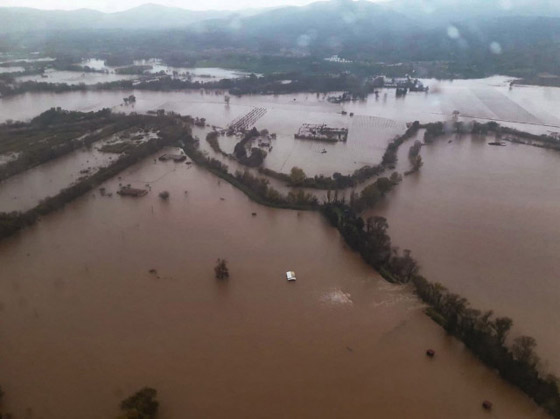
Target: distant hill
[(331, 17), (391, 31), (476, 37), (322, 27), (148, 16), (434, 11)]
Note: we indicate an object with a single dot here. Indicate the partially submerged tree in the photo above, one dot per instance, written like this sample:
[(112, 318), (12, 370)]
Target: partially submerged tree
[(501, 326), (523, 350), (141, 405), (404, 265), (297, 176), (221, 270)]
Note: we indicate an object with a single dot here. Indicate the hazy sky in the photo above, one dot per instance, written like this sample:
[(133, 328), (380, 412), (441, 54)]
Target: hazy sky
[(117, 5)]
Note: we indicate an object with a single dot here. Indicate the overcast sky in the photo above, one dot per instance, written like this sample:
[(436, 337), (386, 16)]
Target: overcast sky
[(117, 5)]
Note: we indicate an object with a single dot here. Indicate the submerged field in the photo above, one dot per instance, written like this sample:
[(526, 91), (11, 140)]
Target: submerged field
[(83, 312), (482, 220)]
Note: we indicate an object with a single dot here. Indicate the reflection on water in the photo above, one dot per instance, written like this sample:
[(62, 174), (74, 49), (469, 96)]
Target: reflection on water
[(85, 323)]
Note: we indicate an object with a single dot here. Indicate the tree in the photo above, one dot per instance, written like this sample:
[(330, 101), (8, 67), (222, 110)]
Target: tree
[(396, 178), (384, 184), (141, 405), (299, 197), (414, 150), (377, 226), (370, 195), (378, 244), (405, 266), (501, 326), (221, 269), (417, 163), (523, 350), (297, 176)]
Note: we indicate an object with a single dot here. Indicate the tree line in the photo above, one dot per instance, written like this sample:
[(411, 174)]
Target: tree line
[(53, 134), (359, 87), (485, 335), (435, 130), (171, 130), (256, 156), (256, 188)]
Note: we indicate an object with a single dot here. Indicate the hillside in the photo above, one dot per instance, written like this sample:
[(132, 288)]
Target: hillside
[(515, 41), (148, 16)]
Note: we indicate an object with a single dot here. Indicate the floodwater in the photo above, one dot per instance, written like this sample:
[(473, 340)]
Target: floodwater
[(95, 63), (483, 221), (529, 108), (203, 74), (15, 69), (25, 190), (8, 58), (376, 120), (84, 323), (80, 309), (368, 135), (75, 77)]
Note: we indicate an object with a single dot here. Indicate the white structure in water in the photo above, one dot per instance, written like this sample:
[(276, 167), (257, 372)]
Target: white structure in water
[(291, 276)]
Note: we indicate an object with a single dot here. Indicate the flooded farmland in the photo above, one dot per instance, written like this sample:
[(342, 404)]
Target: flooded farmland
[(203, 74), (27, 189), (73, 77), (375, 122), (106, 74), (81, 309), (85, 323)]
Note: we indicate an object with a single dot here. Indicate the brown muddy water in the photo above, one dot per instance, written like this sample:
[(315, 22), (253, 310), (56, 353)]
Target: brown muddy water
[(484, 221), (84, 323), (25, 190)]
